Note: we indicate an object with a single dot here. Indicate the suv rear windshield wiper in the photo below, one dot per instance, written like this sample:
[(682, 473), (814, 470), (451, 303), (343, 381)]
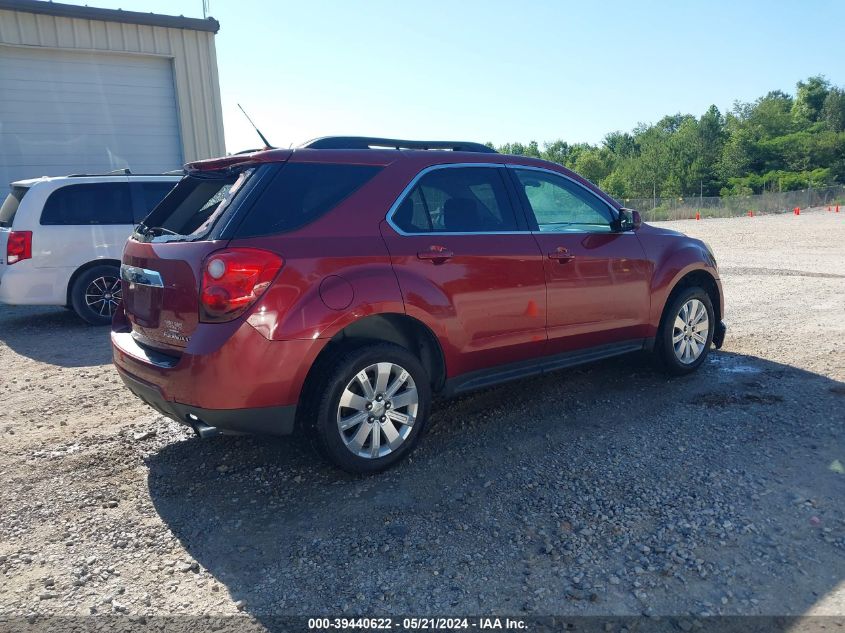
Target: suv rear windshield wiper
[(156, 230)]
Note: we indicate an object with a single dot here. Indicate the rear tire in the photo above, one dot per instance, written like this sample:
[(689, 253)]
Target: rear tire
[(367, 407), (96, 293), (686, 331)]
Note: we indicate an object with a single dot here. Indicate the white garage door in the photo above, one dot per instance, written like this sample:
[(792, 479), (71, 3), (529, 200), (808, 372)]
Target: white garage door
[(74, 112)]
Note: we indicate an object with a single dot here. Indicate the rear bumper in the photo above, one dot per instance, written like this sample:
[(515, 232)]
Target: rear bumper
[(229, 376), (264, 420)]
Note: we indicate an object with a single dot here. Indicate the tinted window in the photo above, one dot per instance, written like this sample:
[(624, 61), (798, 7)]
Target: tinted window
[(97, 203), (299, 193), (10, 205), (457, 200), (148, 195), (561, 205)]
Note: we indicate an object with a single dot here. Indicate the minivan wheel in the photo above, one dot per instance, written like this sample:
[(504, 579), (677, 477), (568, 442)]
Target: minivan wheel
[(686, 332), (369, 409), (96, 293)]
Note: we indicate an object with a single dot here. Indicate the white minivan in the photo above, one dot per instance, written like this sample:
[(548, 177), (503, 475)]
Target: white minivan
[(61, 239)]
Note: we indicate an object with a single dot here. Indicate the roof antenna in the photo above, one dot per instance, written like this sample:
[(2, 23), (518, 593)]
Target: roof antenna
[(263, 138)]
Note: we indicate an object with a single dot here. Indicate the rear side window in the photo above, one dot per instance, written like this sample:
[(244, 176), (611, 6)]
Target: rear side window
[(148, 195), (10, 206), (457, 200), (94, 203), (300, 193)]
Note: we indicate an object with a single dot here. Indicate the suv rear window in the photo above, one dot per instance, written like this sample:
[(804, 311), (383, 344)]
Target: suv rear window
[(193, 206), (299, 193), (91, 203), (148, 195), (10, 206)]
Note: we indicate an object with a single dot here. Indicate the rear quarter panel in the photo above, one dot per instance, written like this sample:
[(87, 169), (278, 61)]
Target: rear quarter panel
[(316, 297)]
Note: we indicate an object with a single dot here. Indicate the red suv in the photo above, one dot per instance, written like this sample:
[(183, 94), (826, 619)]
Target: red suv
[(336, 287)]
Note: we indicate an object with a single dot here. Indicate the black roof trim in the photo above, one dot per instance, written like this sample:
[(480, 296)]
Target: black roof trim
[(111, 15), (367, 142)]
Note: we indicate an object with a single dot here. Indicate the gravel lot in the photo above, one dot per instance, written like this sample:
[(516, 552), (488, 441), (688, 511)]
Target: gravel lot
[(604, 490)]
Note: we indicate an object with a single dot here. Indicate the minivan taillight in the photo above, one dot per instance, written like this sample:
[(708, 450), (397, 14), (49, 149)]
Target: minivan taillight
[(18, 246), (233, 279)]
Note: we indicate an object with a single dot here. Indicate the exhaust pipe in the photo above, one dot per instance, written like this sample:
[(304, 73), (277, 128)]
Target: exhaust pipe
[(202, 429)]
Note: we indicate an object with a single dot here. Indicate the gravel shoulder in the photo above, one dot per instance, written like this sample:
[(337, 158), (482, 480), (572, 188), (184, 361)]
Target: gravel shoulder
[(608, 489)]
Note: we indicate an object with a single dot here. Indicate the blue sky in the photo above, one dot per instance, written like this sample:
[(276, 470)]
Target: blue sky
[(501, 70)]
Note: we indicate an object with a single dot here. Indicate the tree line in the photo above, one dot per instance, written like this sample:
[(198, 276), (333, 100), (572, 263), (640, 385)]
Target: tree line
[(779, 142)]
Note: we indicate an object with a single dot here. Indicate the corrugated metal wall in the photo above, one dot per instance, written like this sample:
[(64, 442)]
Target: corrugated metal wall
[(193, 54)]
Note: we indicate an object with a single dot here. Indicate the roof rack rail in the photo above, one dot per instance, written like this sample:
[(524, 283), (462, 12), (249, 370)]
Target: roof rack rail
[(127, 172), (367, 142)]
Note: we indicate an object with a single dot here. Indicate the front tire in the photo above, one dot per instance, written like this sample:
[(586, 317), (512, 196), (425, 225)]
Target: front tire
[(686, 331), (368, 409), (96, 293)]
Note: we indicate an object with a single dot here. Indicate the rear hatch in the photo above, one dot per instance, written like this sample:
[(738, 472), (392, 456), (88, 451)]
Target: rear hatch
[(162, 260), (7, 217)]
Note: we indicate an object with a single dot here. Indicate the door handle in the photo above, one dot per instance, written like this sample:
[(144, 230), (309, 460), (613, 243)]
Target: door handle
[(562, 255), (436, 254)]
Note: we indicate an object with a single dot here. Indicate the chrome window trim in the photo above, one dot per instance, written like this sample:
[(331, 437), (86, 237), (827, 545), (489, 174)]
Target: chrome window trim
[(410, 187), (407, 190), (141, 276)]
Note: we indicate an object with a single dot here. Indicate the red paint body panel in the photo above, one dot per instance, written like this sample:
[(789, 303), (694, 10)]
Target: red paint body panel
[(487, 303), (226, 366), (601, 295), (497, 299), (674, 255)]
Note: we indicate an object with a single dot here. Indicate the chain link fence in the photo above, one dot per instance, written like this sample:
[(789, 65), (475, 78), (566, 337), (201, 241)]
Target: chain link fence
[(729, 206)]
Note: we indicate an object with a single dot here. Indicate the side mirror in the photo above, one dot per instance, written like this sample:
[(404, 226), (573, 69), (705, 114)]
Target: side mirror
[(629, 220)]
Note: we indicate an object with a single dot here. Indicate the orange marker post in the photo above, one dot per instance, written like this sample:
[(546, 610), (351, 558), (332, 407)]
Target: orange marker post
[(697, 215), (750, 214)]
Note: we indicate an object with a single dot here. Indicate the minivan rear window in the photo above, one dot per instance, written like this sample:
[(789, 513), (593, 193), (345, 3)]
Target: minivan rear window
[(10, 206), (89, 203), (299, 193)]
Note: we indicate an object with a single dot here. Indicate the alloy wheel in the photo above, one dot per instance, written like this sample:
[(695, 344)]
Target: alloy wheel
[(377, 410), (690, 331), (103, 295)]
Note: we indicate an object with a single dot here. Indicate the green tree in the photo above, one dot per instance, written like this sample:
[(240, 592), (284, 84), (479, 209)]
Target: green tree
[(810, 99), (777, 142), (833, 110)]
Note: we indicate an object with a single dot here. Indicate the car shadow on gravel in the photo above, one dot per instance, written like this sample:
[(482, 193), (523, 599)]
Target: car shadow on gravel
[(54, 335), (610, 489)]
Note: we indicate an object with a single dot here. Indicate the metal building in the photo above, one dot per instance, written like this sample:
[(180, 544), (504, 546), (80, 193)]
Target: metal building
[(94, 90)]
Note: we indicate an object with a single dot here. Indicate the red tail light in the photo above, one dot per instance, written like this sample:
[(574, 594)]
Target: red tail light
[(233, 279), (19, 246)]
